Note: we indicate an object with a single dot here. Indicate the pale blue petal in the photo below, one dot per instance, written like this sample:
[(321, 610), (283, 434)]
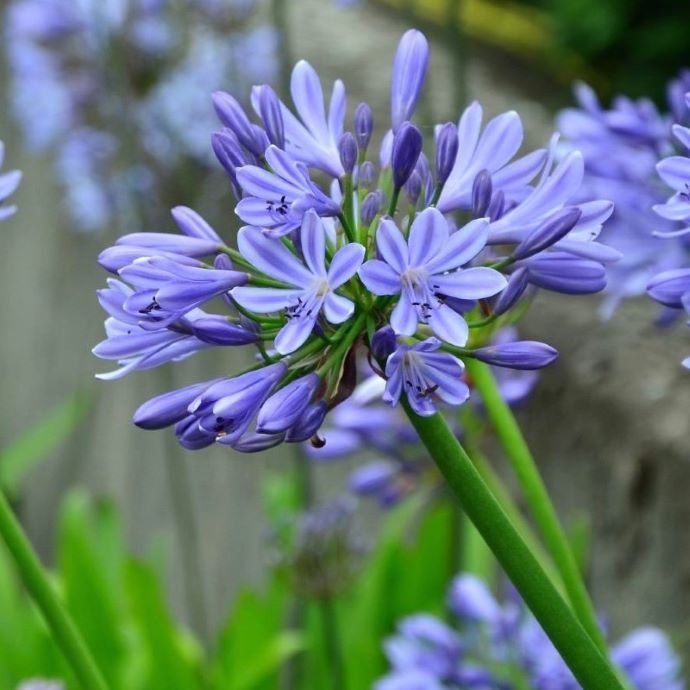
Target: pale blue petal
[(448, 325), (462, 246), (470, 283), (264, 300), (675, 171), (272, 257), (294, 334), (379, 278), (337, 309), (404, 317), (428, 236), (345, 264), (392, 246), (313, 243), (307, 96)]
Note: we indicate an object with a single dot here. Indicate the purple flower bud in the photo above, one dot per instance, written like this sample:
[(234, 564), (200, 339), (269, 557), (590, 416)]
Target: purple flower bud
[(517, 284), (228, 407), (271, 116), (348, 152), (252, 442), (409, 70), (383, 344), (497, 206), (373, 478), (522, 354), (481, 194), (168, 408), (193, 225), (407, 146), (230, 155), (413, 187), (217, 330), (117, 257), (284, 408), (364, 125), (548, 233), (470, 599), (566, 273), (446, 151), (309, 423), (261, 142), (232, 115), (367, 175), (669, 287), (372, 204), (191, 436)]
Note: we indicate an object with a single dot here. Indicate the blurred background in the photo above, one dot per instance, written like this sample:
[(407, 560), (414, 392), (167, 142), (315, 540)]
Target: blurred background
[(608, 422)]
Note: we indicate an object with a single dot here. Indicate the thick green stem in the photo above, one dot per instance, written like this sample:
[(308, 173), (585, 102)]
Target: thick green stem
[(591, 668), (64, 631), (515, 447)]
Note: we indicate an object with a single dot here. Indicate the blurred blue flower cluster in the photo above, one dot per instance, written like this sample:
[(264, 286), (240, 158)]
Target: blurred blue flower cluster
[(117, 91), (500, 646)]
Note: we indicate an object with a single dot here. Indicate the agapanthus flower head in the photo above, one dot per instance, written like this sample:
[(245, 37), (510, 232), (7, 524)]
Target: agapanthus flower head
[(91, 78), (9, 181), (353, 253), (628, 154), (499, 644), (671, 287)]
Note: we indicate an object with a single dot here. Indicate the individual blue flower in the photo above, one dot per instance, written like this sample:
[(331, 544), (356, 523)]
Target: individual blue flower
[(424, 374), (492, 150), (310, 287), (277, 199), (9, 182), (313, 137), (426, 268)]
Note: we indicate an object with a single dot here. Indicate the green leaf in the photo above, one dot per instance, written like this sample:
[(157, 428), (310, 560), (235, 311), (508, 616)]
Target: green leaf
[(266, 661), (89, 557), (169, 660), (17, 459)]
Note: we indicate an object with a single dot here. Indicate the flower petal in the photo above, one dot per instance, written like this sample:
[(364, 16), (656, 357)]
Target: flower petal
[(404, 317), (345, 264), (379, 278), (272, 257), (313, 243), (448, 325), (264, 300), (470, 283), (391, 245), (307, 95), (675, 172), (294, 333), (337, 309), (462, 246), (428, 235)]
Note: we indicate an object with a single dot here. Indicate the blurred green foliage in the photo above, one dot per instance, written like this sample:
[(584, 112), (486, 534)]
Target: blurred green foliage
[(634, 46), (119, 604)]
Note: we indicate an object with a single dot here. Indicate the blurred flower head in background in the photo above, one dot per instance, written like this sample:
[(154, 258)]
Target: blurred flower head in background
[(622, 146), (492, 644), (117, 93)]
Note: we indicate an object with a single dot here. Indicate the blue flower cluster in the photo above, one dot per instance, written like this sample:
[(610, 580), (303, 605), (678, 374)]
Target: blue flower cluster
[(672, 287), (501, 646), (412, 261), (622, 149), (116, 91)]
